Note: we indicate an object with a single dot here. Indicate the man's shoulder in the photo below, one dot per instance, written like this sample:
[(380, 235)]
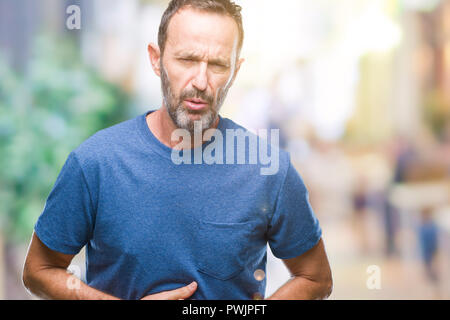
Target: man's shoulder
[(229, 124), (106, 141), (271, 136), (268, 141)]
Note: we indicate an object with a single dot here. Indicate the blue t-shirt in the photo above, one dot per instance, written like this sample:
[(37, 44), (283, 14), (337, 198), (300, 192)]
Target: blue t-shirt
[(151, 225)]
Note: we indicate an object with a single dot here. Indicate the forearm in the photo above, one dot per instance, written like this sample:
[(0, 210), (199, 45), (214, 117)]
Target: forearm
[(299, 288), (57, 283)]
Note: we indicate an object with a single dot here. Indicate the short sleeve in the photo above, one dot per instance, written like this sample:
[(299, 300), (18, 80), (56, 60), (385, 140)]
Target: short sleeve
[(293, 229), (66, 223)]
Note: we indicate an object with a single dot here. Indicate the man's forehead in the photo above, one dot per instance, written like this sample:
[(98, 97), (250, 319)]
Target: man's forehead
[(190, 28)]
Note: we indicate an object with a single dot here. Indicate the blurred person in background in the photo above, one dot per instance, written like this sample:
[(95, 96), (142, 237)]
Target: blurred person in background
[(283, 102), (360, 207), (403, 156), (428, 241), (159, 230)]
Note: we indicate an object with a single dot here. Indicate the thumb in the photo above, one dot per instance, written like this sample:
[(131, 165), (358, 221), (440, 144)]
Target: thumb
[(181, 293)]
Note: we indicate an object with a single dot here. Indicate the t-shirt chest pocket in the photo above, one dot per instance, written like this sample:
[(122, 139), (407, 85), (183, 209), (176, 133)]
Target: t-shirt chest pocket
[(222, 248)]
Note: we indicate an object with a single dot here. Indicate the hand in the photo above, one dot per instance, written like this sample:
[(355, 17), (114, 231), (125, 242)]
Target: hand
[(177, 294)]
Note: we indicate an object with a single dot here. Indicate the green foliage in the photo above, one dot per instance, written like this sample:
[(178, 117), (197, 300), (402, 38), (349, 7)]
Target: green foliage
[(44, 114)]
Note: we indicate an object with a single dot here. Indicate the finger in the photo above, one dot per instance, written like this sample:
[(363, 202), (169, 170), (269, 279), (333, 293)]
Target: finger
[(180, 293)]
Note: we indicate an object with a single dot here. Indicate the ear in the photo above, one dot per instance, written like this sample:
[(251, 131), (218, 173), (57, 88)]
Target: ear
[(155, 56), (238, 65)]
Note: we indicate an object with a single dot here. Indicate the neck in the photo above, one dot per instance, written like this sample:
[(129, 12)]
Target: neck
[(161, 125)]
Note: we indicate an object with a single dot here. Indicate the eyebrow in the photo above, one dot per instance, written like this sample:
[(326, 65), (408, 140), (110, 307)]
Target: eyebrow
[(196, 57)]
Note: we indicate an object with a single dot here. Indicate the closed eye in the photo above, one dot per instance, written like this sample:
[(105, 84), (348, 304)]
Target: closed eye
[(219, 65), (186, 59)]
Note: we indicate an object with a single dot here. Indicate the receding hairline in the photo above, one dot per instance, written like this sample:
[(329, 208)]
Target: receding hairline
[(204, 11)]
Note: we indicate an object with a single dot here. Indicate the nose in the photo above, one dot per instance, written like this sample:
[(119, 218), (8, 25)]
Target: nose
[(200, 81)]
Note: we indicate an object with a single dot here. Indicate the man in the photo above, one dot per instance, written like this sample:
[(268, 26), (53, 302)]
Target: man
[(156, 229)]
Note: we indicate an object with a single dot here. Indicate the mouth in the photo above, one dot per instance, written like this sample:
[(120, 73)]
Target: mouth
[(196, 104)]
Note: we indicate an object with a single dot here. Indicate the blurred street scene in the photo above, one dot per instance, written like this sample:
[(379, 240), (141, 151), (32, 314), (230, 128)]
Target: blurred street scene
[(360, 90)]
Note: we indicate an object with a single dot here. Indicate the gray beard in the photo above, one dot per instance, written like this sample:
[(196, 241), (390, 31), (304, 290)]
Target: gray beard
[(180, 115)]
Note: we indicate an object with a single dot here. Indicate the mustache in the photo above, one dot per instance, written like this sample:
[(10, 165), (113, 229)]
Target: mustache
[(197, 94)]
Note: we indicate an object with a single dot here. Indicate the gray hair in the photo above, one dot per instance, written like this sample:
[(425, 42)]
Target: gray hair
[(225, 7)]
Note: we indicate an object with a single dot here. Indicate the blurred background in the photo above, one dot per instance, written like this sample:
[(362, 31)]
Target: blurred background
[(360, 90)]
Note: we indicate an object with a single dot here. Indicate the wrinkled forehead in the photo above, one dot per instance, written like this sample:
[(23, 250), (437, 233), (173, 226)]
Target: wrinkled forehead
[(202, 32)]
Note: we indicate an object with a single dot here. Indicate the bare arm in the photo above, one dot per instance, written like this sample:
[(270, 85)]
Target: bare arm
[(45, 275), (310, 276)]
